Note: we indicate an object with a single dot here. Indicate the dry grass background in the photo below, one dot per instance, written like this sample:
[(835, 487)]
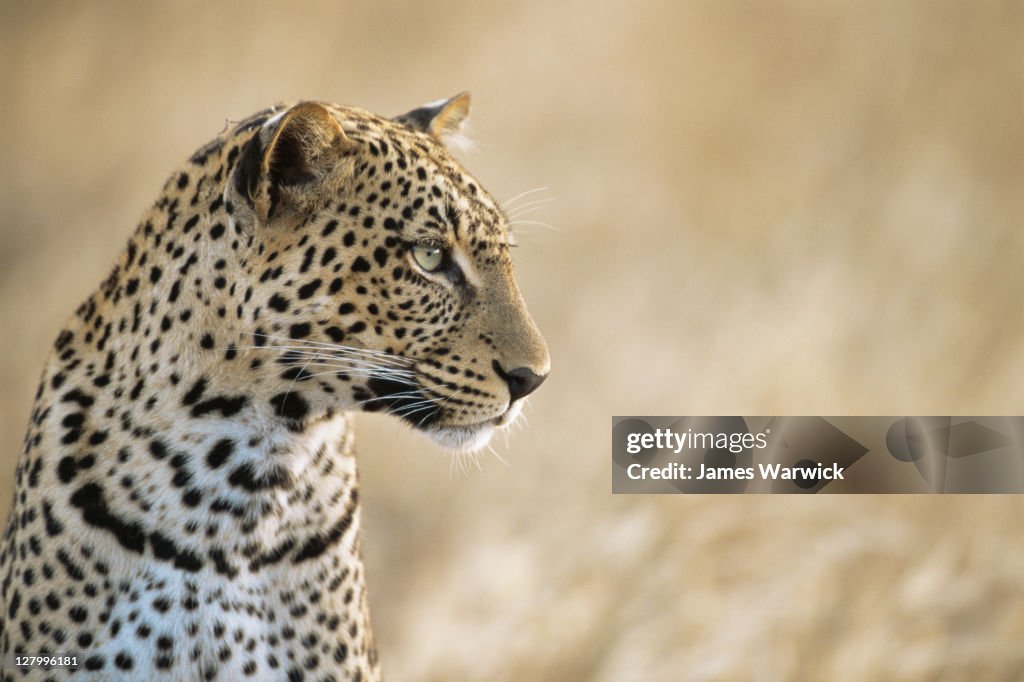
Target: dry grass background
[(785, 208)]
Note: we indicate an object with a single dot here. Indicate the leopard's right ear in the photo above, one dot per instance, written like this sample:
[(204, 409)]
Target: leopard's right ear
[(443, 119), (288, 163)]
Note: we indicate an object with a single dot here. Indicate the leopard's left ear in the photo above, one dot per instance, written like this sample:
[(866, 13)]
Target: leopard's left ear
[(442, 119), (287, 164)]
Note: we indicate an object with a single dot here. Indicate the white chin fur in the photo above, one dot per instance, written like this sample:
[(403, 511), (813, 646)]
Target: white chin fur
[(475, 437), (462, 438)]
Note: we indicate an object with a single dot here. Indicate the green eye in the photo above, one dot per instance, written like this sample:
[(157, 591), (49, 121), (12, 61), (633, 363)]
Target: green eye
[(428, 256)]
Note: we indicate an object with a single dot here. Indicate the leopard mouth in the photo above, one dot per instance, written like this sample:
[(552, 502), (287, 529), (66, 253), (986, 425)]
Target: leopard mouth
[(400, 399), (425, 415)]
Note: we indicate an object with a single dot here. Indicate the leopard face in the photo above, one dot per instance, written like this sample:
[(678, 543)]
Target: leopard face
[(384, 273)]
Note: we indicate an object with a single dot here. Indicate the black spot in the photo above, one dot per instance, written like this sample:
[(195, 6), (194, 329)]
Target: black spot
[(76, 396), (188, 561), (181, 479), (245, 476), (73, 420), (307, 259), (217, 231), (64, 338), (66, 469), (299, 331), (53, 526), (195, 393), (91, 500), (290, 405), (154, 274), (163, 548), (206, 342), (221, 450), (307, 290), (12, 609), (227, 406), (156, 448), (179, 460), (72, 569), (318, 544), (123, 661), (336, 334), (360, 265), (278, 303), (137, 389), (273, 556), (33, 475), (183, 181), (71, 436), (95, 663), (297, 374), (222, 565), (380, 255)]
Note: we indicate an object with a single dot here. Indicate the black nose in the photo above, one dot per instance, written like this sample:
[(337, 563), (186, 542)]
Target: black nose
[(522, 381)]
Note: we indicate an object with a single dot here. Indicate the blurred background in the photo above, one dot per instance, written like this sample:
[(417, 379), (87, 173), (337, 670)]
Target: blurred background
[(754, 208)]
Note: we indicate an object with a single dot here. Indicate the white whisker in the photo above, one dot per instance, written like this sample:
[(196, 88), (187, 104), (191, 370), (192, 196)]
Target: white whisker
[(521, 212), (495, 452), (508, 202), (533, 222), (528, 207)]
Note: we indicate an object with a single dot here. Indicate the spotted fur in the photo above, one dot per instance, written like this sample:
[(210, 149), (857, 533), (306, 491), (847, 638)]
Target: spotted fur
[(187, 504)]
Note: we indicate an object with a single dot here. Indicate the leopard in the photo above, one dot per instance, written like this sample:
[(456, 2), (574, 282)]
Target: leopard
[(187, 499)]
